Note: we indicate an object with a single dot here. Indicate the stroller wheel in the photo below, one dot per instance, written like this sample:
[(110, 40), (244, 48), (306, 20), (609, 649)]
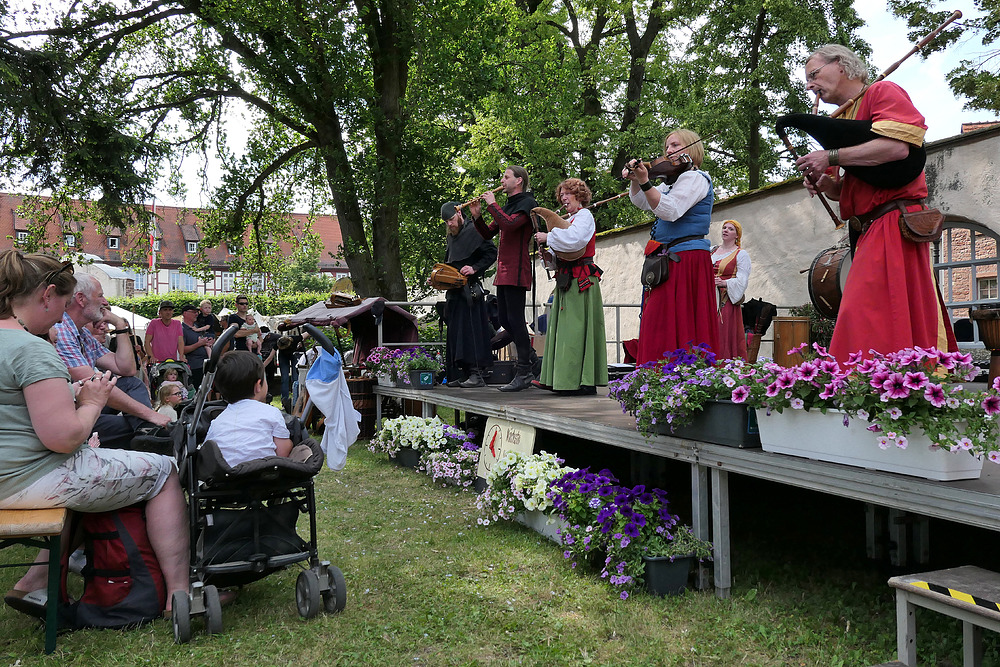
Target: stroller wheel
[(335, 599), (180, 617), (213, 611), (307, 596)]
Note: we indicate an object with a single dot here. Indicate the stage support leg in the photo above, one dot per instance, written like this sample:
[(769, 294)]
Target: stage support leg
[(700, 500), (720, 533)]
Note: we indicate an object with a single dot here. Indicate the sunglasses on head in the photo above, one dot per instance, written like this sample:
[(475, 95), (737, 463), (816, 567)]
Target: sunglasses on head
[(53, 274)]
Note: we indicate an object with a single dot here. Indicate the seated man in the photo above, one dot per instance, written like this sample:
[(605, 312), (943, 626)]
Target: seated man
[(82, 353)]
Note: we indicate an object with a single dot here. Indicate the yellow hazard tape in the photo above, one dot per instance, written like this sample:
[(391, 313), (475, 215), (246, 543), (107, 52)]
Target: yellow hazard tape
[(957, 595)]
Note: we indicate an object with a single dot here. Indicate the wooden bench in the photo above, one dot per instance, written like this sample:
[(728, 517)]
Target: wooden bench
[(42, 529), (968, 593)]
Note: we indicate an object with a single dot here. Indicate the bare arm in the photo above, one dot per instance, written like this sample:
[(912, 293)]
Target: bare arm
[(283, 446), (119, 400), (61, 425), (180, 348)]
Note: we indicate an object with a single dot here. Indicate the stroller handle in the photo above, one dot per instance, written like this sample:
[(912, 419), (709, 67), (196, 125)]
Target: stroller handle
[(321, 338), (219, 345)]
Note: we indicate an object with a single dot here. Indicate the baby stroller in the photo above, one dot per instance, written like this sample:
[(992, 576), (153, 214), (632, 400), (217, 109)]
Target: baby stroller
[(243, 518), (159, 371)]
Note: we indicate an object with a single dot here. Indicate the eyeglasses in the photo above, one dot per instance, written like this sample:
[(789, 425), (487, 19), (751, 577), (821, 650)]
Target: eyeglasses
[(242, 303), (175, 393), (811, 76), (52, 275)]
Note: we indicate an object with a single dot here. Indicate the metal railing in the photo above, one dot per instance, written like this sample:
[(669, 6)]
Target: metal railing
[(428, 309)]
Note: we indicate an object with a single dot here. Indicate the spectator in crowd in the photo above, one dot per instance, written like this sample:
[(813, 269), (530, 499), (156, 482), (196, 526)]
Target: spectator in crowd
[(82, 353), (197, 347), (165, 336), (240, 318)]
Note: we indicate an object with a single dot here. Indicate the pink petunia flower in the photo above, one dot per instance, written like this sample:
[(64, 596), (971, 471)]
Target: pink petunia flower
[(915, 381), (934, 393), (894, 386), (740, 394), (991, 405)]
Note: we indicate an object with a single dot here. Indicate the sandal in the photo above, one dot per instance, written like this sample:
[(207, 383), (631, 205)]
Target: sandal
[(30, 603)]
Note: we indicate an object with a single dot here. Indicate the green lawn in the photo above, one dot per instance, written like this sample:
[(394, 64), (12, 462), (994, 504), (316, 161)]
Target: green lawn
[(428, 586)]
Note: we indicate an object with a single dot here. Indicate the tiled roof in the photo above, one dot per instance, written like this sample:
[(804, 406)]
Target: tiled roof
[(175, 227)]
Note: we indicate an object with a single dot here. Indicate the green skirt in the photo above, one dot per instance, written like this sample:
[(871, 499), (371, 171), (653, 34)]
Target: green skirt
[(576, 353)]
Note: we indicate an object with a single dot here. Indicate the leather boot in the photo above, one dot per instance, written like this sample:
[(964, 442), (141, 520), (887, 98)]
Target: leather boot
[(520, 381), (475, 380)]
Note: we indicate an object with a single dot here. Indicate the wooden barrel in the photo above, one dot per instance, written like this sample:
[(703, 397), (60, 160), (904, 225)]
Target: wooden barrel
[(789, 332), (363, 397)]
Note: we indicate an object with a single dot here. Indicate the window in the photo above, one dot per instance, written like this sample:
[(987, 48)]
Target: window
[(230, 249), (228, 278), (70, 240), (112, 243), (988, 289), (192, 246), (966, 263), (182, 282), (156, 245), (22, 237), (257, 280), (138, 279)]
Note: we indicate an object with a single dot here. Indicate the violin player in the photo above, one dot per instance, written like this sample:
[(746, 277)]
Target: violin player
[(513, 277), (467, 345), (891, 300), (679, 309)]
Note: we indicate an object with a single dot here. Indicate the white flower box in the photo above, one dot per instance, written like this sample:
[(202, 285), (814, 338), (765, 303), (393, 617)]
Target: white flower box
[(823, 437), (546, 525)]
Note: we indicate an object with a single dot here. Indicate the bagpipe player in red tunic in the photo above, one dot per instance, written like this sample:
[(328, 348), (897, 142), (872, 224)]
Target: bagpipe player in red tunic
[(891, 300)]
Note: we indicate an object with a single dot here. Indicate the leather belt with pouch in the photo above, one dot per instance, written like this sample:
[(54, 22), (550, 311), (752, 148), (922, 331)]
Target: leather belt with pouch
[(656, 267), (915, 226)]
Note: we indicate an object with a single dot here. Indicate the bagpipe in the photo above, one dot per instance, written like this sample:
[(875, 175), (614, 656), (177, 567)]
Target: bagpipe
[(832, 132), (840, 133)]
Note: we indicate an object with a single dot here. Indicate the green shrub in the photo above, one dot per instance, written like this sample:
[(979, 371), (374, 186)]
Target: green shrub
[(147, 305)]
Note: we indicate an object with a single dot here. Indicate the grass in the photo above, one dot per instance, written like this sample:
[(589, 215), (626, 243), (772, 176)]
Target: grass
[(428, 586)]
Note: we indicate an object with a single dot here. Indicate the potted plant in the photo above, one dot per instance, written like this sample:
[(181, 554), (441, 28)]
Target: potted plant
[(418, 368), (457, 462), (379, 364), (668, 558), (610, 522), (517, 487), (405, 439), (913, 400), (688, 394)]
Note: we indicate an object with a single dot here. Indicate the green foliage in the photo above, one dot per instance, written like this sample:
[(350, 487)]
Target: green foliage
[(978, 79), (147, 305), (820, 328)]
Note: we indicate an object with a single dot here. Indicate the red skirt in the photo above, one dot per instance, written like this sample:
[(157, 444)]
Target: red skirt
[(680, 312), (732, 337), (891, 301)]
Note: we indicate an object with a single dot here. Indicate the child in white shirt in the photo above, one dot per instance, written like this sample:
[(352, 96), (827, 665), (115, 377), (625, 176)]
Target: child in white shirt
[(248, 428)]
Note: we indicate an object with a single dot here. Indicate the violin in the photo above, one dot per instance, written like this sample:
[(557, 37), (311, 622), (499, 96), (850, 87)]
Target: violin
[(668, 168)]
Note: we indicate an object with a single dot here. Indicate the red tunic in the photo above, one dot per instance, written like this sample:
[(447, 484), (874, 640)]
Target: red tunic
[(890, 300)]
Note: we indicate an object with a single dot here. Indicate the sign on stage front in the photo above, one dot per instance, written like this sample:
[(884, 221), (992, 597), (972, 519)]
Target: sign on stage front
[(501, 437)]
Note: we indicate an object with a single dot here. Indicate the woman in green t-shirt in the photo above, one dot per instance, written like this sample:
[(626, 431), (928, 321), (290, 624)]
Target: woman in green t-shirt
[(46, 423)]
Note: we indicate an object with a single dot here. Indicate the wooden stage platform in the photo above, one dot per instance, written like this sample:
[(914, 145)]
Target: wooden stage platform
[(599, 419)]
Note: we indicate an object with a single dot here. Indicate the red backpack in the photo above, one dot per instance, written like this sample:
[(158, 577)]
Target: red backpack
[(123, 583)]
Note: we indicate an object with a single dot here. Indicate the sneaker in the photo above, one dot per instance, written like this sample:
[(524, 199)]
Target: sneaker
[(475, 380), (520, 381)]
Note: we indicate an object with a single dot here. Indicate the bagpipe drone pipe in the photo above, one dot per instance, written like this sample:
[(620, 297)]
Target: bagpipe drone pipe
[(841, 133)]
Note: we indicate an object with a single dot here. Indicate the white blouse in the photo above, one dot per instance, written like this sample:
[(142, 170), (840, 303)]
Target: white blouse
[(576, 236), (736, 286), (677, 199)]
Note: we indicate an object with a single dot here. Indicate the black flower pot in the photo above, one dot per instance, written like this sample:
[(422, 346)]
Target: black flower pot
[(666, 577)]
